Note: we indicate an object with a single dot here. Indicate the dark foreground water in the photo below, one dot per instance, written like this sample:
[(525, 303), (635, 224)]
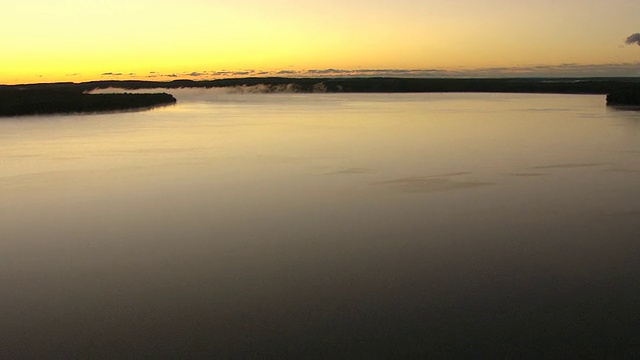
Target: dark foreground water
[(323, 226)]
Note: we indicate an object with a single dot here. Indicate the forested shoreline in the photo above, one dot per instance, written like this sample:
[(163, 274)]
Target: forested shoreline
[(53, 98)]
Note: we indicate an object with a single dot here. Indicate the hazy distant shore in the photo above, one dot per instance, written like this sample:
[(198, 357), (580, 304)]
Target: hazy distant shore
[(70, 97), (379, 84)]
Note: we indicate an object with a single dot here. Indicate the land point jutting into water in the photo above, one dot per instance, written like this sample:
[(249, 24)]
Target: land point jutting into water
[(53, 98), (62, 99)]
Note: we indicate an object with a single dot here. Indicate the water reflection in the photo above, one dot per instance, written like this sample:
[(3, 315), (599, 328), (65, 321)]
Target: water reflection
[(292, 225)]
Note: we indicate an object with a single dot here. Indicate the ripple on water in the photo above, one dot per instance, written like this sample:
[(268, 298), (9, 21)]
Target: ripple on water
[(429, 184)]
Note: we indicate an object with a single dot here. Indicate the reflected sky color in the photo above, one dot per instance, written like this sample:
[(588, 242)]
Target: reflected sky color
[(322, 225)]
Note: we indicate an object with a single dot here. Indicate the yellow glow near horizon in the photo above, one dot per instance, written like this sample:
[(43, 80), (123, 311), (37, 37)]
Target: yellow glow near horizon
[(75, 40)]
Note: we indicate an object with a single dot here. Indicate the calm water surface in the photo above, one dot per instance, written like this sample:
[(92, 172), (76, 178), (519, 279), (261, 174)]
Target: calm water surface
[(323, 226)]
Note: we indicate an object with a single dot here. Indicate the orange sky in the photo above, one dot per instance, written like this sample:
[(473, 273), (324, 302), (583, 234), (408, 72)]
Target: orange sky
[(76, 40)]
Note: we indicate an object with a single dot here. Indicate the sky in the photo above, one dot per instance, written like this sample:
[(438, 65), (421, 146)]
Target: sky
[(81, 40)]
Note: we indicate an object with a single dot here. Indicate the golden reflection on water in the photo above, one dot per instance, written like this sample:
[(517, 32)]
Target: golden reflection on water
[(253, 222)]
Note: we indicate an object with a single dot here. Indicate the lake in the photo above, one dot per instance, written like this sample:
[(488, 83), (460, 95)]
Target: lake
[(245, 225)]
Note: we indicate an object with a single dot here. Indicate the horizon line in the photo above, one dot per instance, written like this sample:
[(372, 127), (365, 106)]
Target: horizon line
[(565, 70)]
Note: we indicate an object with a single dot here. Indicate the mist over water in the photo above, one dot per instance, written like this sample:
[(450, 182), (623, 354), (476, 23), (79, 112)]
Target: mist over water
[(217, 93), (323, 226)]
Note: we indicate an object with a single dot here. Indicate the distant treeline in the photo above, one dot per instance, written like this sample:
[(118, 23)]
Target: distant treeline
[(393, 85), (69, 98)]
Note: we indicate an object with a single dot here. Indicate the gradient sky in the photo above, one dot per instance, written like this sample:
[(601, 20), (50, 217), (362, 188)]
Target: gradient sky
[(78, 40)]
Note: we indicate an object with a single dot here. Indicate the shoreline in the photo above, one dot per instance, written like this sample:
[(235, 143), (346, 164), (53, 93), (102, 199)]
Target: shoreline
[(65, 98), (21, 102)]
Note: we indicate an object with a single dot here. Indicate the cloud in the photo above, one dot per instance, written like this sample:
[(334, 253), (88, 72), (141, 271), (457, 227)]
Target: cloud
[(633, 39), (220, 73), (631, 69), (326, 71), (560, 70), (375, 72)]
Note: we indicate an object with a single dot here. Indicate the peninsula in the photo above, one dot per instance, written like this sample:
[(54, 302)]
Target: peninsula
[(71, 98), (626, 97)]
